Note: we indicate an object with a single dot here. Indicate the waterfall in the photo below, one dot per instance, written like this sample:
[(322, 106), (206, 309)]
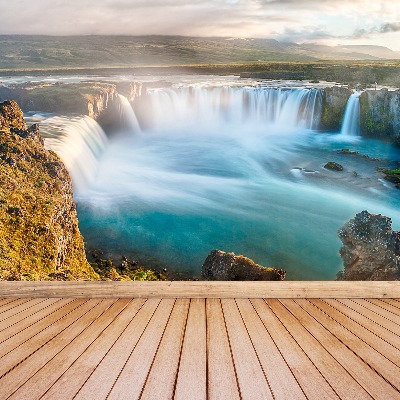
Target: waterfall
[(217, 106), (79, 142), (127, 115), (351, 119)]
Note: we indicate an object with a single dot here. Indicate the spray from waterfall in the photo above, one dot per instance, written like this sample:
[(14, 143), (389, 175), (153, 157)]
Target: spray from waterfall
[(79, 142), (351, 119), (127, 115)]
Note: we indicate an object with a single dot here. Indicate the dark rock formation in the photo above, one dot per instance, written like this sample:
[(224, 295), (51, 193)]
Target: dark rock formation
[(333, 166), (371, 249), (39, 235), (221, 266), (334, 102), (380, 114)]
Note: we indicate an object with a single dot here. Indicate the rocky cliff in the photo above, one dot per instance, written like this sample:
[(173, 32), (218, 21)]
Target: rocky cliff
[(39, 235), (371, 249), (380, 114)]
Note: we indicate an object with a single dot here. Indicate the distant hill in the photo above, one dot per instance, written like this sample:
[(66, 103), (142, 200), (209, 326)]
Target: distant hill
[(99, 51)]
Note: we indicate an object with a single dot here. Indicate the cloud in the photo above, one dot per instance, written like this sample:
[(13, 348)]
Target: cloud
[(390, 27)]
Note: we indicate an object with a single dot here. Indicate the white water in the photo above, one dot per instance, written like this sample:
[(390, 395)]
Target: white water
[(351, 118), (127, 115), (210, 108), (79, 142)]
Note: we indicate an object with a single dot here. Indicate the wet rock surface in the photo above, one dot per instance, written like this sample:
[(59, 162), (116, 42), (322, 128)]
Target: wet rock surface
[(371, 249), (221, 266)]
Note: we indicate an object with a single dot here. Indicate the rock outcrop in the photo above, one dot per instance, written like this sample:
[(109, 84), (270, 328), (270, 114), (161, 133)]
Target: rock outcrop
[(371, 249), (39, 235), (221, 266), (380, 114), (334, 100)]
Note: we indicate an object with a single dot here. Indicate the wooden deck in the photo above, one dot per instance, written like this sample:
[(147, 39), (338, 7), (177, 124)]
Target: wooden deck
[(305, 344)]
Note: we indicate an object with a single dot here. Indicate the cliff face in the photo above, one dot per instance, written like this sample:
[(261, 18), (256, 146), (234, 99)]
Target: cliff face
[(39, 235), (371, 249), (380, 114), (334, 101)]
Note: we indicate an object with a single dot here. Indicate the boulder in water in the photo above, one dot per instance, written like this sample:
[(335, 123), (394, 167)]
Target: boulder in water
[(371, 249), (221, 266), (333, 166)]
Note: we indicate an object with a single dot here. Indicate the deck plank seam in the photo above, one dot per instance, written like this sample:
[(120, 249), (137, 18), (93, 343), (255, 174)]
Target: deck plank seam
[(393, 302), (384, 309), (231, 352), (180, 351), (44, 344), (361, 358), (131, 352), (94, 340), (9, 301), (383, 328), (298, 344), (34, 323), (279, 350), (28, 316), (21, 311), (110, 348), (8, 306), (12, 307), (388, 307), (155, 353), (255, 351), (72, 339)]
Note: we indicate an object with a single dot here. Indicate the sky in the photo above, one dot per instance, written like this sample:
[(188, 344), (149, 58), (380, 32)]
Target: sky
[(332, 22)]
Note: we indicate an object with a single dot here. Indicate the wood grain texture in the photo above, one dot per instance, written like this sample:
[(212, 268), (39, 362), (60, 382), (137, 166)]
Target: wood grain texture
[(202, 289), (192, 373)]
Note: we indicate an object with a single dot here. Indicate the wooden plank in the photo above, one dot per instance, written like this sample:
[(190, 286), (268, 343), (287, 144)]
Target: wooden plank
[(253, 383), (222, 382), (385, 329), (192, 374), (282, 382), (12, 303), (335, 323), (19, 308), (383, 347), (393, 302), (313, 384), (131, 381), (315, 341), (202, 289), (28, 313), (96, 386), (25, 324), (40, 382), (350, 365), (160, 383), (16, 377), (8, 343), (72, 380), (20, 348), (384, 309)]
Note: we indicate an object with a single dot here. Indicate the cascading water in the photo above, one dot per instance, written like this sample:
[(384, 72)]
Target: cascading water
[(127, 115), (234, 168), (79, 142), (351, 118), (202, 106)]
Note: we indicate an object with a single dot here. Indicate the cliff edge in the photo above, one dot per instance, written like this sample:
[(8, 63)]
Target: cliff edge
[(39, 235)]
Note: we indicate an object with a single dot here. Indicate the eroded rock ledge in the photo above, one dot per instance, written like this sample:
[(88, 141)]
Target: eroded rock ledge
[(221, 266), (39, 235), (371, 249)]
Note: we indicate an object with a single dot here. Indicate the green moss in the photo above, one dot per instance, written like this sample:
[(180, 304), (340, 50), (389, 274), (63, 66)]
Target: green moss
[(333, 166)]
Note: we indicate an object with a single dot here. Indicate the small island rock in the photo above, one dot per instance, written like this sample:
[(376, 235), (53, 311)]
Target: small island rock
[(221, 266)]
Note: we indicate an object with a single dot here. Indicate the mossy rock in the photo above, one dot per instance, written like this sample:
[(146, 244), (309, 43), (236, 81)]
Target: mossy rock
[(333, 166)]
